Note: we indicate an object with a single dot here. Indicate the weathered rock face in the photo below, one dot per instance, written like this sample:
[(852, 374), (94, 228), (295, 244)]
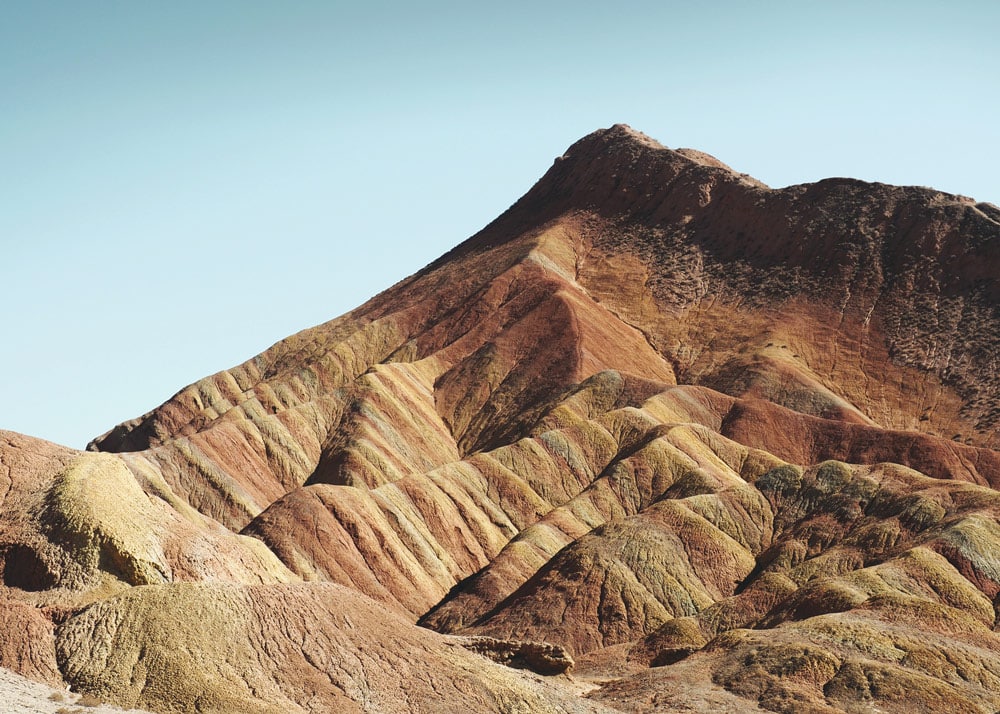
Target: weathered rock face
[(290, 648), (722, 446)]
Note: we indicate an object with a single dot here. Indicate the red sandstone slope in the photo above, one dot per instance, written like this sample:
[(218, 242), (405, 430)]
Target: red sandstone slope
[(728, 446)]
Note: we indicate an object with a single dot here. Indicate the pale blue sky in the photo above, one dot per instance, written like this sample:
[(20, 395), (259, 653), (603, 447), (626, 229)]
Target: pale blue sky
[(184, 183)]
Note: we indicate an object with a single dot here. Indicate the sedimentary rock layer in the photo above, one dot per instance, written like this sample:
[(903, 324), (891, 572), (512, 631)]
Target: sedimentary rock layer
[(658, 436)]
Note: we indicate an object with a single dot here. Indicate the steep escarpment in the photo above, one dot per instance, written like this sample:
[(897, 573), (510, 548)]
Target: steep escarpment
[(658, 436)]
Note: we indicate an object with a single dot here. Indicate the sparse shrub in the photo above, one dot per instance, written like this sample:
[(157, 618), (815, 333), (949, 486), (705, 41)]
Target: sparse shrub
[(89, 700), (832, 476), (57, 697), (781, 481)]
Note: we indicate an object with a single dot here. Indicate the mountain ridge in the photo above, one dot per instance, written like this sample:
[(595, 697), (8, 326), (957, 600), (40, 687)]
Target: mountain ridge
[(623, 143)]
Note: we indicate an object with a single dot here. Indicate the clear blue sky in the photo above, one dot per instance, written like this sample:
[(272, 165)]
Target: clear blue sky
[(184, 183)]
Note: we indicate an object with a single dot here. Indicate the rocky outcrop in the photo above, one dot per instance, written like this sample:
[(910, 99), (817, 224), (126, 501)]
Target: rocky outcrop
[(542, 657), (679, 438)]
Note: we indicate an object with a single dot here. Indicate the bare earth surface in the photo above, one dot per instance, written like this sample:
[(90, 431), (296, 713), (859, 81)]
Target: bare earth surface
[(659, 438), (22, 696)]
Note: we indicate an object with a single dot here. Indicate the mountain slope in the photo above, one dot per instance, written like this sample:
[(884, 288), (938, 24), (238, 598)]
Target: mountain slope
[(725, 445)]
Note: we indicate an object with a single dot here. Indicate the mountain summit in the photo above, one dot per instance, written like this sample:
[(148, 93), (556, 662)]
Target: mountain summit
[(659, 434)]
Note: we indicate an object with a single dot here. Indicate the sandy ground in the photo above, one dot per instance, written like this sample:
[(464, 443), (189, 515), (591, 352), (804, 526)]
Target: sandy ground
[(18, 695)]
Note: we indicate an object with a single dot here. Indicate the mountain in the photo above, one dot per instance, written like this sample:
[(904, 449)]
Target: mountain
[(657, 438)]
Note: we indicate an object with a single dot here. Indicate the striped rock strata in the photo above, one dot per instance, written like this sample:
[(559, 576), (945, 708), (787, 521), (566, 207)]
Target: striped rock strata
[(725, 446)]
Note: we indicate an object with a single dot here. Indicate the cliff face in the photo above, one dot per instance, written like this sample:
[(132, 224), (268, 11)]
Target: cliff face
[(726, 446)]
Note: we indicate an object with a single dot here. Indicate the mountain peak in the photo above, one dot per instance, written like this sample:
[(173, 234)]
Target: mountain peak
[(619, 135), (613, 148), (620, 171), (622, 141)]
